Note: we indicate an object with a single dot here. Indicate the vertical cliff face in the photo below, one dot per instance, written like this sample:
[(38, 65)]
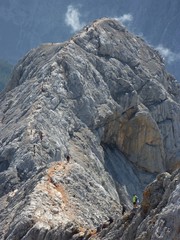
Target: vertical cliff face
[(105, 99), (157, 218)]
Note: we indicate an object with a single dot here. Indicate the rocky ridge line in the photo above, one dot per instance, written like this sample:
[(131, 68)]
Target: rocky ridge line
[(104, 98)]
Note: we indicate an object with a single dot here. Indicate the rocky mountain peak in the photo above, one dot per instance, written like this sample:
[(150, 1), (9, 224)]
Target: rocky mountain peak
[(103, 98)]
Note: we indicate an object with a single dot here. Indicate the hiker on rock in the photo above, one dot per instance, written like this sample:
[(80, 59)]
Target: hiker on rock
[(124, 209), (135, 200), (68, 158)]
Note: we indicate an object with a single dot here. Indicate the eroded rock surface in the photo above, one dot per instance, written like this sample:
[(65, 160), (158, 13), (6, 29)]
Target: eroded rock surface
[(105, 99), (156, 218)]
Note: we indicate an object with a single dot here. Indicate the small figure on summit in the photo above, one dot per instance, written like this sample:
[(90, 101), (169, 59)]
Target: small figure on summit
[(135, 200)]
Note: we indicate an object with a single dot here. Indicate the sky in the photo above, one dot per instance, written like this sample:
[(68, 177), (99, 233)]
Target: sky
[(74, 22), (27, 24), (73, 18)]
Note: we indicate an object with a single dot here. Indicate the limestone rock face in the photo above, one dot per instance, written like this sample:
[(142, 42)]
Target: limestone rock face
[(157, 217), (103, 98)]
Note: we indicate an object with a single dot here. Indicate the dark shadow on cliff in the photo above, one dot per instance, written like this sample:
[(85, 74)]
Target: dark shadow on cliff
[(127, 177)]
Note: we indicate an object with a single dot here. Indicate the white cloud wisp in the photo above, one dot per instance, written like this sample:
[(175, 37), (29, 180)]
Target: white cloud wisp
[(167, 54), (126, 18), (72, 18)]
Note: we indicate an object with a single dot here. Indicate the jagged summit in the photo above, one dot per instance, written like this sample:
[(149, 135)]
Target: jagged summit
[(105, 99)]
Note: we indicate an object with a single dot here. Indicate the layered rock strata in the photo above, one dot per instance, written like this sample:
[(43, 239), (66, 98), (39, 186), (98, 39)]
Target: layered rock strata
[(156, 218), (105, 99)]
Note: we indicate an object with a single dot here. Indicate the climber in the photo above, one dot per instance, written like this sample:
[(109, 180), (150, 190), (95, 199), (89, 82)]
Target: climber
[(68, 158), (42, 88), (123, 209), (41, 135), (34, 149), (135, 200), (105, 224)]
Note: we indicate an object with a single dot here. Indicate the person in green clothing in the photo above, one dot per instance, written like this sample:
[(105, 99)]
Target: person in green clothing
[(135, 200)]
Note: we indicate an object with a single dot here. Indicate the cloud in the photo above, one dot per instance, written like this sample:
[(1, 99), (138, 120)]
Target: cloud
[(167, 54), (125, 18), (72, 18)]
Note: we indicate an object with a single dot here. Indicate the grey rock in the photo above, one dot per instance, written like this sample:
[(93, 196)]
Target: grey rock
[(105, 99), (157, 218)]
